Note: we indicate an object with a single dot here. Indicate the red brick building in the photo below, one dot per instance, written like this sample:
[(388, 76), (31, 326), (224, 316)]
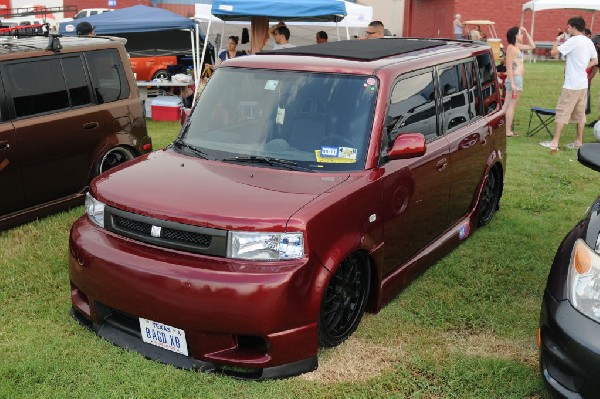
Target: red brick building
[(434, 17)]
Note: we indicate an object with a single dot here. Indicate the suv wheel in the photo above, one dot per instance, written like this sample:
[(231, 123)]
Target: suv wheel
[(490, 197), (114, 157), (160, 74), (344, 301)]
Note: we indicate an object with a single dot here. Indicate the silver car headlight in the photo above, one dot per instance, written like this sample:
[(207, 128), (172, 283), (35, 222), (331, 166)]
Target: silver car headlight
[(265, 246), (94, 209), (584, 280)]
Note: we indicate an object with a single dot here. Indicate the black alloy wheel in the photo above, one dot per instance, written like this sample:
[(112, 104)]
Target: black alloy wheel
[(490, 197), (344, 301)]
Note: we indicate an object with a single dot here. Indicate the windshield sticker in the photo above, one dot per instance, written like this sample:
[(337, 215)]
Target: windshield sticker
[(336, 155), (370, 83), (280, 116), (271, 84)]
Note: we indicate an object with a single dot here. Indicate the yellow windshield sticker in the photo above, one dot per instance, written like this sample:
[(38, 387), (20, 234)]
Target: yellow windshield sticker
[(336, 155)]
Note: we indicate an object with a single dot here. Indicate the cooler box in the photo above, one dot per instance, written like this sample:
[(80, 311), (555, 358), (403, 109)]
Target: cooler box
[(166, 108)]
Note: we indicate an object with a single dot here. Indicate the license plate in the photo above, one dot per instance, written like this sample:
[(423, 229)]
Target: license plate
[(164, 336)]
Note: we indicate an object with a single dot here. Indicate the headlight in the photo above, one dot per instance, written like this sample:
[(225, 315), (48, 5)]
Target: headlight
[(584, 280), (94, 209), (265, 246)]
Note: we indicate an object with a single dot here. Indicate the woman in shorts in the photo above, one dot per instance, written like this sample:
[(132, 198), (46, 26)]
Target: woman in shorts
[(514, 72)]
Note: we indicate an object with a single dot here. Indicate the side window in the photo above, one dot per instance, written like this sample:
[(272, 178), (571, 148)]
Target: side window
[(37, 87), (77, 83), (107, 74), (412, 107), (474, 92), (488, 83), (455, 96)]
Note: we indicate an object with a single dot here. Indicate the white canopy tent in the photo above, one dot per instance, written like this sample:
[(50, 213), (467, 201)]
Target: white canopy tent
[(302, 33), (540, 5)]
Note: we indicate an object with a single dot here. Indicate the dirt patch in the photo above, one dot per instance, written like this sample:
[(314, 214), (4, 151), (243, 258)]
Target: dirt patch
[(354, 360), (360, 360), (488, 345)]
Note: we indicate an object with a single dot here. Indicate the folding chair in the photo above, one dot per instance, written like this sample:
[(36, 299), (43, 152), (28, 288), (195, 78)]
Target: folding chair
[(545, 116)]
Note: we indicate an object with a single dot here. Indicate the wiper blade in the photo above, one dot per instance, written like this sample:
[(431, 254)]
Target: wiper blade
[(291, 165), (193, 149)]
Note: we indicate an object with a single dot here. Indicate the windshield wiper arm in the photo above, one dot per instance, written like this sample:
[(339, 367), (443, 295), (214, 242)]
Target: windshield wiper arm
[(291, 165), (193, 149)]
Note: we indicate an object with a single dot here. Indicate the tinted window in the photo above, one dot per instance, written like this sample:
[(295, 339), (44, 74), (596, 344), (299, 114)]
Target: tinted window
[(76, 80), (412, 107), (456, 85), (108, 77), (488, 85), (37, 87)]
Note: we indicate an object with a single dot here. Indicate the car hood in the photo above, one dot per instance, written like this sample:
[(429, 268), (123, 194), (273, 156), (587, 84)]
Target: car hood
[(171, 186)]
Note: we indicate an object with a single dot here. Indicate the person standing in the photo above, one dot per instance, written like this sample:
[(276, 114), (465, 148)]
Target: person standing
[(231, 50), (458, 27), (514, 72), (581, 55), (282, 37), (85, 29), (321, 37), (375, 30)]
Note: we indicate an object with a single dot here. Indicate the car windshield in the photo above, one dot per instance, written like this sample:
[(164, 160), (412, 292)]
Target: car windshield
[(283, 119)]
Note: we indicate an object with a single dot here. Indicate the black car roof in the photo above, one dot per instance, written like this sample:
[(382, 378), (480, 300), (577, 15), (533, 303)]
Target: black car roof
[(364, 50)]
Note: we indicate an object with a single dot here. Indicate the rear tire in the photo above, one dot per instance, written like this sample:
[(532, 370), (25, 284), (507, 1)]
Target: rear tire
[(344, 301), (490, 197), (115, 157), (160, 74)]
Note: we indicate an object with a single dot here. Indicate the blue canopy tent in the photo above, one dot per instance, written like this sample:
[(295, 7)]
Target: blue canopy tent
[(277, 10), (280, 10), (131, 19), (148, 30)]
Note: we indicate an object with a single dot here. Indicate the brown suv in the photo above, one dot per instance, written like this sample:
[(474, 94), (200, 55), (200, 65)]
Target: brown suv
[(69, 111)]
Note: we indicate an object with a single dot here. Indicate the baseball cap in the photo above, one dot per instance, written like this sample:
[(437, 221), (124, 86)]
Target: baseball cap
[(85, 28)]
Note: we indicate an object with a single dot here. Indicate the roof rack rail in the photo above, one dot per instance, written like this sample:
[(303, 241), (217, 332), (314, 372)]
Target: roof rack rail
[(25, 30), (35, 10)]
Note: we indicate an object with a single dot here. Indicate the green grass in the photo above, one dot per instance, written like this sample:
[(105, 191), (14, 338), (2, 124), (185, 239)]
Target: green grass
[(465, 329)]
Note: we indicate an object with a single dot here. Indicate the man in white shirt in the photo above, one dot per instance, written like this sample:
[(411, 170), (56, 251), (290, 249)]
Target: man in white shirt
[(281, 35), (581, 55)]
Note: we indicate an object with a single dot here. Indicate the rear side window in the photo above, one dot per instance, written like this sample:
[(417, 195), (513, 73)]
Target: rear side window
[(488, 83), (37, 87), (76, 81), (460, 96), (108, 76), (412, 107)]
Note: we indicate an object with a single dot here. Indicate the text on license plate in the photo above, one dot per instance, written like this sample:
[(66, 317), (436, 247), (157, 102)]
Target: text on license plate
[(164, 336)]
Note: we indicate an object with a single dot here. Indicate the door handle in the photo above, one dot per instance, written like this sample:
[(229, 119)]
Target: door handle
[(90, 125), (441, 164), (4, 145)]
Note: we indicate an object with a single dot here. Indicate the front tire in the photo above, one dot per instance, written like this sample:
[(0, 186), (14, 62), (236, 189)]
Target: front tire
[(115, 157), (490, 197), (344, 301)]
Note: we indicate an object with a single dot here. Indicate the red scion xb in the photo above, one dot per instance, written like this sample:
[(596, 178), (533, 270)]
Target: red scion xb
[(307, 186)]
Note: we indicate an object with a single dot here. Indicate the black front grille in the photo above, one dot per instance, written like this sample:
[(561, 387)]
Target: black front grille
[(132, 225), (187, 236), (166, 233)]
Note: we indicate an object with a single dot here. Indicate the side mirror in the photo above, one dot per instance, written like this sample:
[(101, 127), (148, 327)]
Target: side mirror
[(408, 145)]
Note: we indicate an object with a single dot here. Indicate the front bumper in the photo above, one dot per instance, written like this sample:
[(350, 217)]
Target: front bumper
[(250, 319), (569, 350)]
